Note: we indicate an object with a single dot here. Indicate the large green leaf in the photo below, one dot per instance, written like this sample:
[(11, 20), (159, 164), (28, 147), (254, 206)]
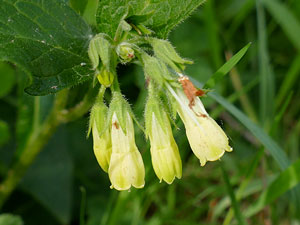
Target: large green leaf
[(47, 39), (158, 15)]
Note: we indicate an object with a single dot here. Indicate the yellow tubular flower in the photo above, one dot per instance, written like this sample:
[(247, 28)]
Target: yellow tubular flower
[(207, 140), (164, 151), (126, 166)]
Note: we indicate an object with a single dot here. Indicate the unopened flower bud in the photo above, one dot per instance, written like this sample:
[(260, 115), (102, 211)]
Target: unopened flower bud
[(105, 77), (155, 69), (125, 52), (166, 52)]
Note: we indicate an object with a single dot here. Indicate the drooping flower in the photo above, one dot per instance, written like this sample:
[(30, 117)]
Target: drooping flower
[(101, 136), (164, 152), (207, 140), (165, 156), (126, 166)]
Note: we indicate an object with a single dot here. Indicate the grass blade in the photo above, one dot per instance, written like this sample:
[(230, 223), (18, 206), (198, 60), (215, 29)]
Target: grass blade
[(287, 179), (289, 81), (215, 78), (266, 92)]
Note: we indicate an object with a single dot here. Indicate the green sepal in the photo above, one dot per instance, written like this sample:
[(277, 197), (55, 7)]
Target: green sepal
[(156, 70), (155, 106), (99, 113), (122, 31), (144, 30), (167, 53), (171, 104), (100, 46), (121, 107)]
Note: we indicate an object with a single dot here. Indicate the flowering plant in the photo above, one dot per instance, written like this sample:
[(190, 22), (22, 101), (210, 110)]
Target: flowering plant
[(163, 68)]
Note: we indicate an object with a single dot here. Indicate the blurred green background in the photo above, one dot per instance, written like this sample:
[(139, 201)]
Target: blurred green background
[(65, 185)]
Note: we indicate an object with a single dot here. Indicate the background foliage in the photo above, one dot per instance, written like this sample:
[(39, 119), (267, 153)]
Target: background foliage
[(259, 110)]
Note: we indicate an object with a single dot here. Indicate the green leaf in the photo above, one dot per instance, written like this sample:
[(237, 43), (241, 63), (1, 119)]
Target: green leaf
[(286, 19), (78, 5), (4, 132), (48, 40), (217, 76), (86, 8), (9, 219), (7, 79), (286, 180), (49, 179), (161, 15)]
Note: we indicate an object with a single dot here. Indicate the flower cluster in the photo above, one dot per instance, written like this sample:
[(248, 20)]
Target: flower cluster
[(169, 93)]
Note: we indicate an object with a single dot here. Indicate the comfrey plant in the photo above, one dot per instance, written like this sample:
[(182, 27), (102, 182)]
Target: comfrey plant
[(169, 92)]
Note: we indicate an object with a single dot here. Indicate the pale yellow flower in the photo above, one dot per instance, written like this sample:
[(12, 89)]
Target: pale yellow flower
[(207, 140), (164, 151), (101, 136), (126, 166)]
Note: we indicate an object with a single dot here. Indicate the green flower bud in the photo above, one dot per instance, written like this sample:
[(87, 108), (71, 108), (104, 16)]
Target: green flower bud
[(125, 52), (105, 77), (166, 52)]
